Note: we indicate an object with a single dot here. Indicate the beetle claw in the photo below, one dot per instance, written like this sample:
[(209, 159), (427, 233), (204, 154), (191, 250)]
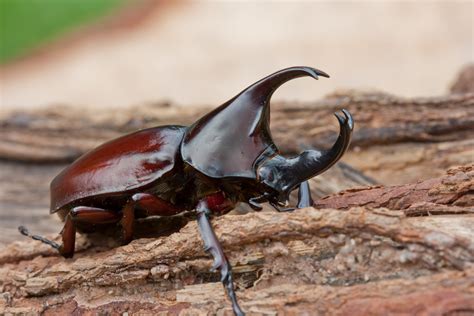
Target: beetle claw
[(255, 206), (282, 209), (255, 202)]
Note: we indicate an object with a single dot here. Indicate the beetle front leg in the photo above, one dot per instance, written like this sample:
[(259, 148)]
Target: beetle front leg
[(304, 199), (212, 245), (304, 195)]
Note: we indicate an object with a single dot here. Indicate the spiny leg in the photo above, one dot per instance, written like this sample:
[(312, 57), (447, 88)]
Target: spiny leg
[(304, 195), (212, 245)]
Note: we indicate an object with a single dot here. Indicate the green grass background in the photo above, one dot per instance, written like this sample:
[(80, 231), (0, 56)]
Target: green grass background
[(25, 24)]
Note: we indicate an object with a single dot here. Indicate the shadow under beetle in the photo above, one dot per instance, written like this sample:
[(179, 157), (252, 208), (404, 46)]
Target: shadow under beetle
[(225, 157)]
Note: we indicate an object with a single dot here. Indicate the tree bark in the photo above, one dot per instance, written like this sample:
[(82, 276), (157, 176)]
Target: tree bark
[(425, 136), (365, 259), (395, 235), (450, 194), (396, 141)]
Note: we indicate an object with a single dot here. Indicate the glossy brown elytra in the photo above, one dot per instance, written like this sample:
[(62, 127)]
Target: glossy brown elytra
[(225, 157)]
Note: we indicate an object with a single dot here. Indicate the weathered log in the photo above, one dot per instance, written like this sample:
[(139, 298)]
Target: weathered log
[(24, 195), (407, 248), (423, 138), (381, 119), (425, 135), (359, 261), (450, 194)]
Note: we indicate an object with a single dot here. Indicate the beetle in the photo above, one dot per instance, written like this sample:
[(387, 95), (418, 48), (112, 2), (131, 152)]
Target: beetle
[(225, 157)]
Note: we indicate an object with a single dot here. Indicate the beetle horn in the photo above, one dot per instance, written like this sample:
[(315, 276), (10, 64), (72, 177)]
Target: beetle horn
[(284, 174), (258, 95), (227, 141), (314, 162), (262, 90)]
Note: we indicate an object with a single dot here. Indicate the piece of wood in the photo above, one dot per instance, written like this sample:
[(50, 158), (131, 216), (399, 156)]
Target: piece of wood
[(382, 245), (24, 195), (369, 259), (381, 118), (424, 135), (450, 194)]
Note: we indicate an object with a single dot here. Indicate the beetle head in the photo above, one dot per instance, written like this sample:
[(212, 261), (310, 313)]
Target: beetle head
[(234, 141), (282, 175), (229, 140)]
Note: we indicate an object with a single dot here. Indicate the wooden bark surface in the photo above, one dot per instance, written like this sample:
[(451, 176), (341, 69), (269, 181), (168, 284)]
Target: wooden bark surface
[(362, 260), (423, 136), (450, 194), (396, 141), (395, 235)]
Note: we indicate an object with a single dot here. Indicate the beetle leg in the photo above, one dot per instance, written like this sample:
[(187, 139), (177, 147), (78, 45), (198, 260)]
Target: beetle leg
[(24, 231), (93, 215), (68, 235), (83, 214), (212, 245), (127, 221), (304, 195), (281, 209), (255, 202), (153, 205)]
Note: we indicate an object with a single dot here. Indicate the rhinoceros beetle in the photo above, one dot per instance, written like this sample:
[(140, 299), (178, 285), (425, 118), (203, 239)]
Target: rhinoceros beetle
[(226, 156)]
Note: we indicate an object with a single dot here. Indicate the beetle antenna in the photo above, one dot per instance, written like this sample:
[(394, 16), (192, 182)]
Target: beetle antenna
[(24, 231)]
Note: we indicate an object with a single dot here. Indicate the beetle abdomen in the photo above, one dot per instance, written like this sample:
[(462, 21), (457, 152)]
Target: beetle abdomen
[(123, 164)]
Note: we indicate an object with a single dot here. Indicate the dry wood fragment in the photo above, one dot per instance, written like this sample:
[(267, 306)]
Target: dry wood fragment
[(425, 135), (62, 133), (450, 194), (372, 259), (440, 294), (58, 135), (302, 254), (24, 193), (373, 248)]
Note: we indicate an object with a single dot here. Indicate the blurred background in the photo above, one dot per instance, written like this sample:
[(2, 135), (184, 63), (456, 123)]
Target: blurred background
[(107, 53)]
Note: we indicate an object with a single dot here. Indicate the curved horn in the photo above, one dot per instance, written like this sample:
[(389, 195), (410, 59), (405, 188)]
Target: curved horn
[(284, 174), (262, 90), (329, 157)]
